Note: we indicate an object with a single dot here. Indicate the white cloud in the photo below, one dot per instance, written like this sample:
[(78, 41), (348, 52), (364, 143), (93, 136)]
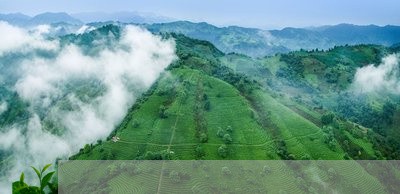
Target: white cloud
[(84, 29), (129, 68), (41, 30), (381, 78), (3, 107), (14, 38), (9, 138)]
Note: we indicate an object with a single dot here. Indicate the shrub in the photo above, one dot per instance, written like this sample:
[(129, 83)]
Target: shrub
[(227, 139), (174, 176), (203, 138), (162, 112), (327, 118), (223, 151), (229, 129), (226, 171), (220, 132)]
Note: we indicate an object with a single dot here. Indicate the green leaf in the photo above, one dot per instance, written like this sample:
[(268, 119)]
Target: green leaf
[(17, 186), (21, 178), (30, 190), (37, 172), (46, 180), (45, 167)]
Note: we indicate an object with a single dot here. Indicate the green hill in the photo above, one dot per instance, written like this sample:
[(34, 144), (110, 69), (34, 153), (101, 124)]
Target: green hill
[(209, 105)]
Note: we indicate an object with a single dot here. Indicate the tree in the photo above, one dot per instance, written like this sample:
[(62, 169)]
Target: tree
[(227, 139), (112, 170), (174, 176), (327, 118), (223, 151), (388, 110), (305, 157), (220, 132), (199, 151), (149, 155), (229, 129), (135, 124), (207, 105), (226, 171), (162, 112), (332, 174), (86, 149), (266, 169), (203, 138)]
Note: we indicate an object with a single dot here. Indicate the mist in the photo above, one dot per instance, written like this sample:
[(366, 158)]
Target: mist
[(379, 78), (97, 89), (3, 107)]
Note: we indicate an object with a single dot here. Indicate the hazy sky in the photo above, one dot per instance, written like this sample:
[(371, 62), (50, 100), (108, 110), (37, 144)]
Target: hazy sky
[(256, 13)]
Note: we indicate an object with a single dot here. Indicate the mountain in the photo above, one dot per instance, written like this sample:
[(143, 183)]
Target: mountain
[(250, 41), (49, 18), (15, 18), (353, 34), (124, 17), (342, 34), (22, 20), (258, 43), (232, 39)]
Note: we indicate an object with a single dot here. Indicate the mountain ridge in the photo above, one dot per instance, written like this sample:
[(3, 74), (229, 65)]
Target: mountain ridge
[(253, 42)]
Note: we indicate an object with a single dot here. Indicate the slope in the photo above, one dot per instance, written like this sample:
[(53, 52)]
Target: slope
[(200, 109)]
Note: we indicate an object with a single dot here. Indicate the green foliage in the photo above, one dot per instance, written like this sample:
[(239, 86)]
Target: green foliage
[(227, 139), (220, 132), (207, 105), (162, 112), (203, 138), (86, 149), (223, 151), (20, 187), (199, 151), (229, 129), (225, 171), (327, 118), (174, 176)]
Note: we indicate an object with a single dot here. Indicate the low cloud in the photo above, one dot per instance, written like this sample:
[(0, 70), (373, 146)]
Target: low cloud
[(16, 39), (3, 107), (117, 76), (382, 78), (84, 29)]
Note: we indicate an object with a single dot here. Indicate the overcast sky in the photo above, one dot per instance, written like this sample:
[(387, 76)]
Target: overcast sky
[(250, 13)]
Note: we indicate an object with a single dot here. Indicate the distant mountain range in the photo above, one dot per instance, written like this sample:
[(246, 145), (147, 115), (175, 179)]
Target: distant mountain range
[(44, 18), (258, 42), (124, 17), (250, 41), (81, 18)]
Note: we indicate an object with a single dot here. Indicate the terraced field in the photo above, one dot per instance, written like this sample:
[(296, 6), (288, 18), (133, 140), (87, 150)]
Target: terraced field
[(177, 132), (221, 176)]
